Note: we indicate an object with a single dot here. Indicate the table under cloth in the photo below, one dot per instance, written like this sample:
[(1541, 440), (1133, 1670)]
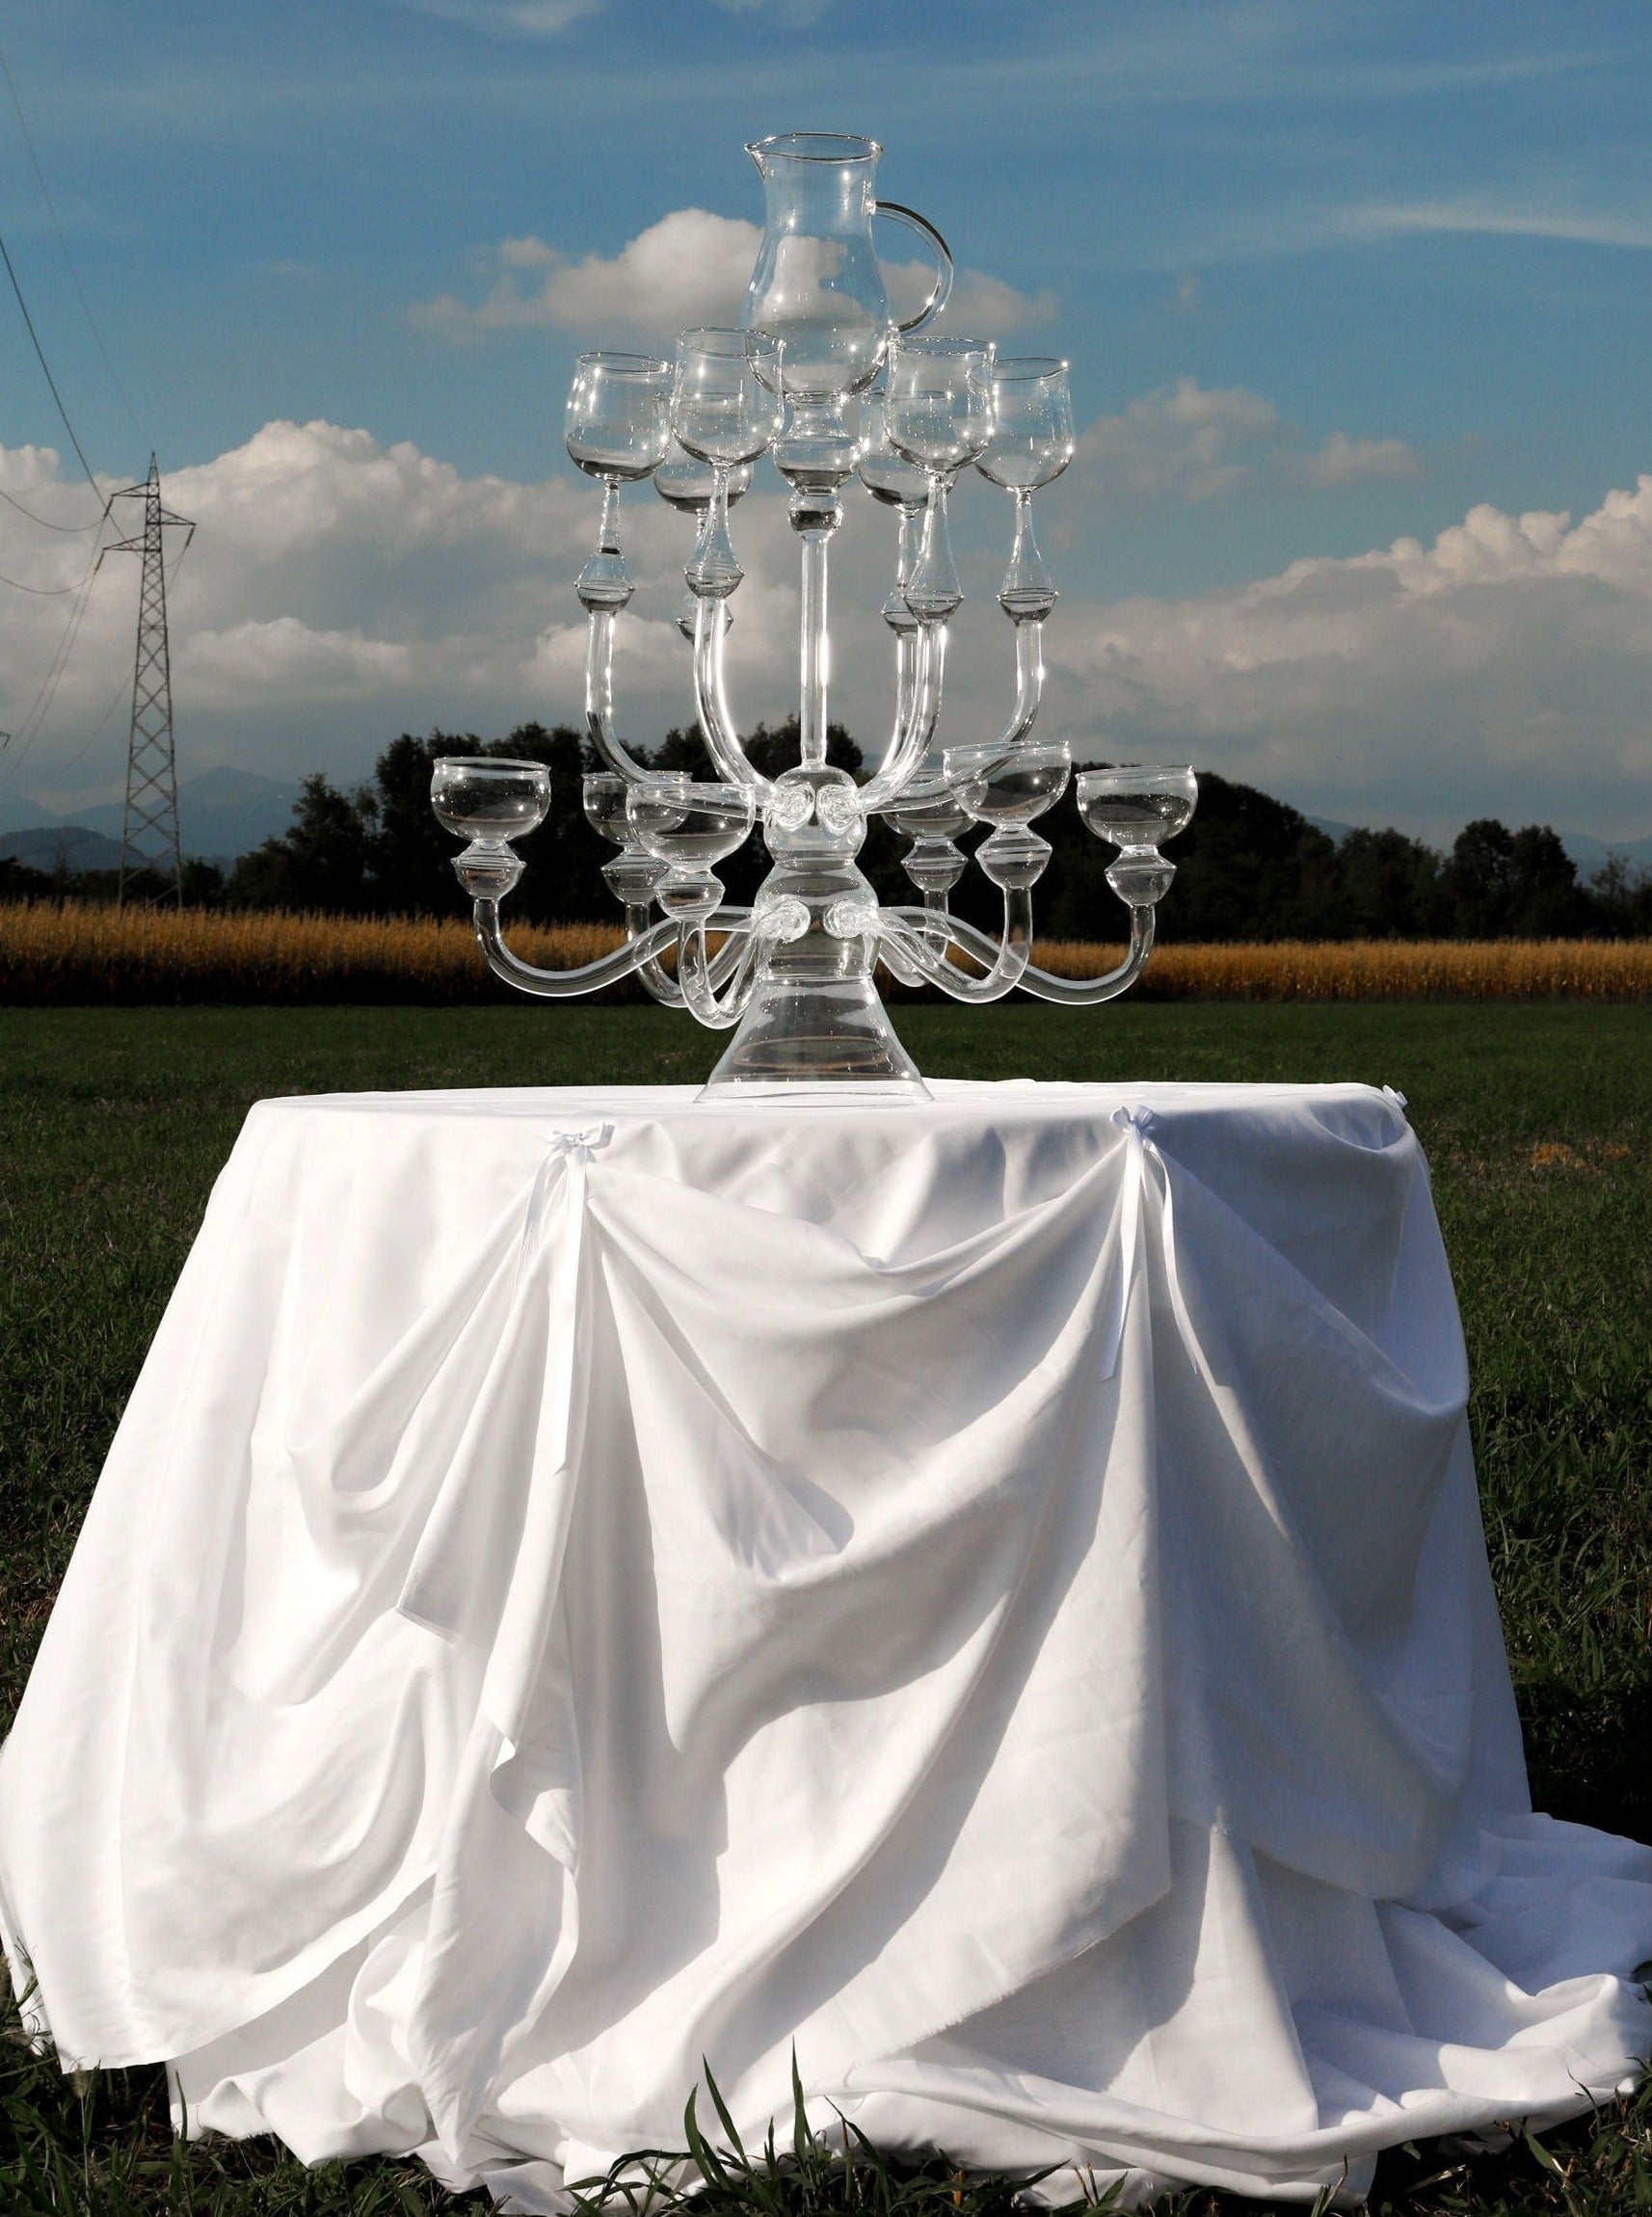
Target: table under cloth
[(987, 1598)]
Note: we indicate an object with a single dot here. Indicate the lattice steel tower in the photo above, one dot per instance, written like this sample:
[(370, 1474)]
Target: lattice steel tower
[(149, 827)]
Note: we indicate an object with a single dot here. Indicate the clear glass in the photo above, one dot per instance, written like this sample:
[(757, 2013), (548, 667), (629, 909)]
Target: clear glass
[(617, 424), (888, 476), (816, 285), (938, 409), (1009, 786), (1032, 438), (684, 484), (1033, 442), (691, 825), (937, 406), (489, 798), (726, 408), (725, 395), (1138, 807)]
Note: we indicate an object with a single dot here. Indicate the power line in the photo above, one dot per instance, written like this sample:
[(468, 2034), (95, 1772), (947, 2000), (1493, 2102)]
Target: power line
[(45, 369), (69, 258), (42, 592), (69, 530), (28, 730)]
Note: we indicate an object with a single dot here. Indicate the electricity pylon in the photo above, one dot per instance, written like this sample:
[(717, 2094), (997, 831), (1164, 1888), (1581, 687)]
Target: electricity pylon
[(148, 827)]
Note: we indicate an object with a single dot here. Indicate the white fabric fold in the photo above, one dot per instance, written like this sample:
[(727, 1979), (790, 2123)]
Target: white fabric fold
[(989, 1597)]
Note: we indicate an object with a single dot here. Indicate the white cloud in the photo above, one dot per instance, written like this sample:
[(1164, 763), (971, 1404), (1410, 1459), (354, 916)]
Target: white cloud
[(1193, 443), (340, 590), (1345, 461), (1497, 219), (531, 18), (1503, 670), (1191, 440), (692, 267)]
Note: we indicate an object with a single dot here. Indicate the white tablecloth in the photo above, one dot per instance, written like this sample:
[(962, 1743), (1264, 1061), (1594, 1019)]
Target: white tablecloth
[(989, 1597)]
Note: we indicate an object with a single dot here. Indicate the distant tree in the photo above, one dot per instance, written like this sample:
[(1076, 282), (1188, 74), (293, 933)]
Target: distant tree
[(1499, 884), (1390, 885), (320, 863), (1621, 897)]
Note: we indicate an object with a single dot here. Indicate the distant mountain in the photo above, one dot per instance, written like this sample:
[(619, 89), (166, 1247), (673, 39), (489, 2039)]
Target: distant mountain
[(74, 845), (1590, 854), (221, 814)]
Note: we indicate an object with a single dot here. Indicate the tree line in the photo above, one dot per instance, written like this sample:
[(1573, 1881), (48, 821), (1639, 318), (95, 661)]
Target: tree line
[(1249, 867)]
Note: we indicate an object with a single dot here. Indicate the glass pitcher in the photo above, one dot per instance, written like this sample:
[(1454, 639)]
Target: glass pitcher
[(818, 286)]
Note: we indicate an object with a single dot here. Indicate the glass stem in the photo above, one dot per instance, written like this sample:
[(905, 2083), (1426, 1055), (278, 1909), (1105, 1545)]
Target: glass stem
[(933, 591), (1028, 592), (608, 530), (812, 718), (715, 571)]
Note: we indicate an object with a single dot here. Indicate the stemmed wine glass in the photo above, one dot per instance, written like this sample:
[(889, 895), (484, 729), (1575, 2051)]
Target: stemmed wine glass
[(888, 477), (939, 411), (1137, 807), (1031, 444), (687, 485), (616, 427), (726, 408)]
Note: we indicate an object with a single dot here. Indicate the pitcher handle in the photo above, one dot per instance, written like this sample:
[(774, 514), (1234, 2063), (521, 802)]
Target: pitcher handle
[(940, 292)]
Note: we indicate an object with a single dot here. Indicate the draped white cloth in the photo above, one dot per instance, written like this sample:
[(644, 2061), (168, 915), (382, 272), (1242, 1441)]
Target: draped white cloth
[(987, 1597)]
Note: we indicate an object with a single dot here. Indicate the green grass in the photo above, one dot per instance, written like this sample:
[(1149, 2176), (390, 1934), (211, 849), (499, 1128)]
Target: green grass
[(1538, 1123)]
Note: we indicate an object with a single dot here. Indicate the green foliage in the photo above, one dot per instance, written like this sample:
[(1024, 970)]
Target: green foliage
[(1538, 1123)]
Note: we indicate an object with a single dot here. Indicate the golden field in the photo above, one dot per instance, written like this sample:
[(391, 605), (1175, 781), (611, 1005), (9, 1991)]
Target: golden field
[(66, 953)]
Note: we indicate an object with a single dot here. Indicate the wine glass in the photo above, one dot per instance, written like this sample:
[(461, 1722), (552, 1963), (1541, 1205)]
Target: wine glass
[(726, 408), (489, 800), (1031, 444), (688, 827), (687, 485), (1138, 809), (888, 477), (616, 427), (939, 411)]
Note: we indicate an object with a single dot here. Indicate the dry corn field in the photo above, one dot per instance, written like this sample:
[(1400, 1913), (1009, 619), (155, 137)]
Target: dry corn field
[(65, 954)]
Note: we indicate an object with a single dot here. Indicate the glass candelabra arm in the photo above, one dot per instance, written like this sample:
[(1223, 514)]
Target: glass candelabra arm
[(600, 698), (701, 975), (566, 984), (903, 760), (909, 935), (1074, 991), (723, 742)]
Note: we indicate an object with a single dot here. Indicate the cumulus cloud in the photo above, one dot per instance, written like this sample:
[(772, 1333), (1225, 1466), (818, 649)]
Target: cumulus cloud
[(692, 267), (1191, 440), (1345, 461), (1501, 670), (1193, 443), (340, 590)]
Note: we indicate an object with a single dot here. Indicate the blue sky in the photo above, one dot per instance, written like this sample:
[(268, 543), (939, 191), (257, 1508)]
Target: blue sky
[(1330, 275)]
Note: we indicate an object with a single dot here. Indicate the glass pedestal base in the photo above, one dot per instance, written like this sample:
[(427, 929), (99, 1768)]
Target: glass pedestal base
[(832, 1039)]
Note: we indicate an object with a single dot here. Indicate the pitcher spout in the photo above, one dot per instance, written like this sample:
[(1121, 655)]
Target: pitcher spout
[(809, 147)]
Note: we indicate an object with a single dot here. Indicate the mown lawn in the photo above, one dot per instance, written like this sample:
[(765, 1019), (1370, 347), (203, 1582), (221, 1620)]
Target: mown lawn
[(1537, 1118)]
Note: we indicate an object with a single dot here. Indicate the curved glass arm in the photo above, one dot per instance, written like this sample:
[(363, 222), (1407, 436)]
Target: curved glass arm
[(905, 694), (738, 955), (712, 702), (599, 698), (567, 985), (659, 982), (1044, 985), (913, 744), (910, 934), (1028, 683)]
